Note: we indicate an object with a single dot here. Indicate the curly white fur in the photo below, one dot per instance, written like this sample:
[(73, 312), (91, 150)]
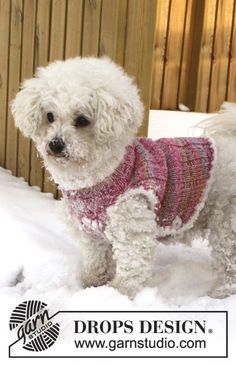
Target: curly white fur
[(95, 88), (100, 91)]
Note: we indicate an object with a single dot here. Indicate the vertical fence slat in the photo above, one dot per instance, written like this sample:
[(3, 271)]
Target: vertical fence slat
[(42, 32), (217, 89), (188, 42), (36, 170), (91, 27), (56, 51), (74, 28), (162, 15), (231, 87), (57, 36), (191, 53), (203, 72), (41, 59), (184, 66), (139, 44), (173, 55), (4, 44), (27, 66), (14, 80), (113, 25)]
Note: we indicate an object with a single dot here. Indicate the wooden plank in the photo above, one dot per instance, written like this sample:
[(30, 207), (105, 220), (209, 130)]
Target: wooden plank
[(184, 61), (91, 27), (14, 80), (74, 28), (42, 32), (231, 81), (57, 47), (113, 25), (4, 46), (191, 53), (162, 16), (41, 59), (57, 37), (193, 26), (140, 33), (220, 55), (27, 66), (36, 168), (169, 97), (205, 60)]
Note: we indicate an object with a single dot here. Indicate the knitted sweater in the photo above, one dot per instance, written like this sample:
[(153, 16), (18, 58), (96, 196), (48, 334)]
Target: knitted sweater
[(176, 170)]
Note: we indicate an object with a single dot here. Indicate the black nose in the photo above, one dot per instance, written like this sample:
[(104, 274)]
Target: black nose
[(57, 145)]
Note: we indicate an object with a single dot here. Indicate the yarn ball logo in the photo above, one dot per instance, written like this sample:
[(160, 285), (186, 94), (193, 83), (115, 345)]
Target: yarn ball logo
[(34, 326)]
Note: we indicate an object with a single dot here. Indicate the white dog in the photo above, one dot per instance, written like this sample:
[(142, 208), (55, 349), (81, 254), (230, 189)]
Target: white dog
[(121, 193)]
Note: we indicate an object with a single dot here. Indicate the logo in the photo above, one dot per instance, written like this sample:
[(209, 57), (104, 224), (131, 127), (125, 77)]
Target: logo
[(33, 325)]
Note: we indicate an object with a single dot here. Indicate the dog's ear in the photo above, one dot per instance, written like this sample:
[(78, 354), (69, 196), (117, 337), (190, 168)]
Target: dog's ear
[(117, 115), (25, 107)]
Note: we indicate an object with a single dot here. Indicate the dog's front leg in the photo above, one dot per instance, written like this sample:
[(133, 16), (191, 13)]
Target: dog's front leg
[(97, 262), (132, 231)]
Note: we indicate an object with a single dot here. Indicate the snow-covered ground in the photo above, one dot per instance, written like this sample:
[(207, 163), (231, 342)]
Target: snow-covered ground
[(39, 260)]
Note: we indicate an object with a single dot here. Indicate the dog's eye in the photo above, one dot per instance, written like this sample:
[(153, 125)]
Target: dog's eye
[(81, 121), (50, 117)]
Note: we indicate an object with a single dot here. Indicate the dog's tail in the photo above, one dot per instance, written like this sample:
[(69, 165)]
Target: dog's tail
[(223, 123)]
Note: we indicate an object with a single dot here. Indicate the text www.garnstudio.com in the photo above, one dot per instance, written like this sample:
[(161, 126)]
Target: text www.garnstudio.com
[(162, 343)]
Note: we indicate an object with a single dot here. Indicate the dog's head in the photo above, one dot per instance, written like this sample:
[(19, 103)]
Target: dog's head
[(78, 112)]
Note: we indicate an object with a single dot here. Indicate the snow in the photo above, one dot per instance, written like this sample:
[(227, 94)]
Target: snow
[(40, 260)]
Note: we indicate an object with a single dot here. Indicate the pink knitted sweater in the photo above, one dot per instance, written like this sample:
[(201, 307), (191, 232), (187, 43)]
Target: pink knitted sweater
[(176, 170)]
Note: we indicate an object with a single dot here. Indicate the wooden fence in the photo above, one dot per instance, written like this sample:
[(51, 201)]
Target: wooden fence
[(195, 54), (33, 32)]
